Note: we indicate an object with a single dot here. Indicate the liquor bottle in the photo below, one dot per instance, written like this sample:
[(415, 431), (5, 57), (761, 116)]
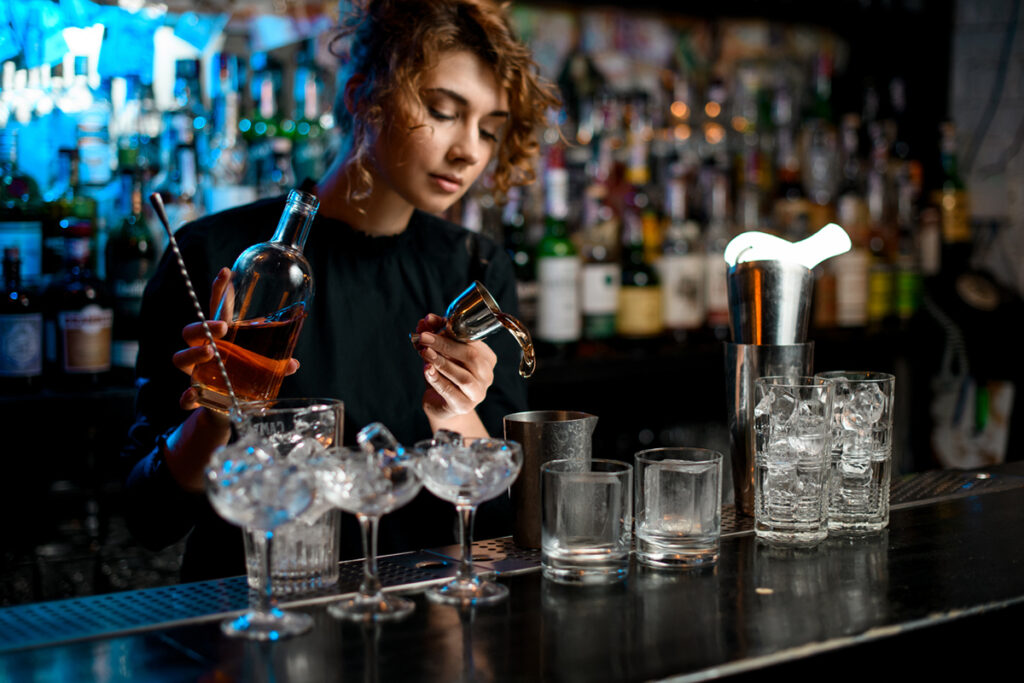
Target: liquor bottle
[(79, 315), (309, 141), (521, 251), (908, 269), (559, 319), (602, 273), (681, 266), (264, 305), (21, 208), (882, 238), (951, 198), (263, 133), (716, 237), (21, 330), (228, 154), (95, 152), (640, 309), (819, 143), (851, 268), (131, 259)]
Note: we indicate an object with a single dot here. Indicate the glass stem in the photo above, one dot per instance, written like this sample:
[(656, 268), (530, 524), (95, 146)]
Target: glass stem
[(466, 515), (266, 595), (371, 581)]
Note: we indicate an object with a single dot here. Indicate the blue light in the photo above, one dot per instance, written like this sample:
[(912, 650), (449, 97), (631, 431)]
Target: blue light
[(260, 128), (244, 125), (304, 128), (199, 122)]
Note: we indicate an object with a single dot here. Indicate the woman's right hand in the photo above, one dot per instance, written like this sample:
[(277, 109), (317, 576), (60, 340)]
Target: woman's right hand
[(198, 349)]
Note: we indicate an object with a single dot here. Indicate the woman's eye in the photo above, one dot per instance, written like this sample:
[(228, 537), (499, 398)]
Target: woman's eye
[(440, 115), (488, 135)]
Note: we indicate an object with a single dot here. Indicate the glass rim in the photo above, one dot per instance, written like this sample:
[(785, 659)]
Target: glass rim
[(796, 381), (711, 455), (280, 405), (429, 442), (858, 376), (615, 466)]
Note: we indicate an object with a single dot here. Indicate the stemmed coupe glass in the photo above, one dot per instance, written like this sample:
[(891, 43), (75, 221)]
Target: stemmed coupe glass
[(467, 474), (370, 481), (247, 486)]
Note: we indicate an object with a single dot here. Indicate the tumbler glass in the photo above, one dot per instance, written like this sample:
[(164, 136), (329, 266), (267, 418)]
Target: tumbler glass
[(678, 506), (792, 430), (586, 521), (306, 549), (862, 418)]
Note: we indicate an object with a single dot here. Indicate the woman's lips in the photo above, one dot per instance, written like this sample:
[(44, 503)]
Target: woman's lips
[(447, 183)]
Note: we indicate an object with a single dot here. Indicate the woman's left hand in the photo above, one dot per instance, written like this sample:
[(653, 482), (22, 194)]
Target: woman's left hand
[(458, 373)]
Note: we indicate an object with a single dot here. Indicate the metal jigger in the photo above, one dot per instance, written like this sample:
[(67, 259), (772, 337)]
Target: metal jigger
[(473, 315)]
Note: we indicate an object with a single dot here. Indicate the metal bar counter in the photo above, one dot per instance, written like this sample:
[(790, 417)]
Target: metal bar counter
[(940, 591)]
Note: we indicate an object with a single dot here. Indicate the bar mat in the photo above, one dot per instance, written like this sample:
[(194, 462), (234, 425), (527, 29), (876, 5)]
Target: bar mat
[(62, 621)]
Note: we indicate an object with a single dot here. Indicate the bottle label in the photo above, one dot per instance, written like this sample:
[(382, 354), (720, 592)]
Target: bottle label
[(600, 295), (86, 336), (128, 295), (955, 225), (716, 278), (639, 312), (880, 293), (682, 282), (558, 301), (21, 345), (851, 271)]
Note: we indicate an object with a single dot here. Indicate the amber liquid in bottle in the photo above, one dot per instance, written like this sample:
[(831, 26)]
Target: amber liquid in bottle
[(255, 354), (264, 307)]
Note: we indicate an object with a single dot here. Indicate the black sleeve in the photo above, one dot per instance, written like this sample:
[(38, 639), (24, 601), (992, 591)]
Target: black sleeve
[(157, 511)]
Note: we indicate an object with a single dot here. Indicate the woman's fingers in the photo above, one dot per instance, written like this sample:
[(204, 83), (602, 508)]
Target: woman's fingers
[(194, 335), (220, 283), (189, 399)]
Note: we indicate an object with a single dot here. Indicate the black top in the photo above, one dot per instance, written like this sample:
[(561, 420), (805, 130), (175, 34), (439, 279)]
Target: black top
[(354, 345)]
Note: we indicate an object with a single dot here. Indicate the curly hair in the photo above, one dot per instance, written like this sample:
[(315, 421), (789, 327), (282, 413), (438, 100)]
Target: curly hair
[(392, 44)]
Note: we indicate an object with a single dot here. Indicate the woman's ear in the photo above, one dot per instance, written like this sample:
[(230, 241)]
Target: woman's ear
[(352, 86)]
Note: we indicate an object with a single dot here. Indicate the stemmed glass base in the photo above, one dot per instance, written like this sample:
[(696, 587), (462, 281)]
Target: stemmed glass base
[(467, 588), (274, 624), (472, 591), (371, 603), (379, 607)]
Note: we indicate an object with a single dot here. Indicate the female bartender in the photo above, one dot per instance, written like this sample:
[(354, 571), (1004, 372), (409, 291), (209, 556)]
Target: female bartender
[(432, 92)]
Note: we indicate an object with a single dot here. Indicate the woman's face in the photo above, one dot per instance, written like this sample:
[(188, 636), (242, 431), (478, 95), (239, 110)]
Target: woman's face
[(453, 132)]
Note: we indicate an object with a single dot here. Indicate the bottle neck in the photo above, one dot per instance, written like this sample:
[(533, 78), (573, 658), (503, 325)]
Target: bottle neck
[(293, 228), (12, 275)]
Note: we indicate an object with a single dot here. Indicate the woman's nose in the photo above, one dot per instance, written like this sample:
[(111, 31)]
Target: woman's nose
[(466, 148)]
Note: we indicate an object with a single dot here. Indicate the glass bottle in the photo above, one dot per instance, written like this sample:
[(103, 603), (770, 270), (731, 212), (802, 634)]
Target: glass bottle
[(951, 198), (228, 154), (265, 304), (309, 145), (21, 208), (602, 273), (21, 330), (79, 315), (521, 251), (131, 259), (559, 320), (640, 308), (717, 236), (681, 266)]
